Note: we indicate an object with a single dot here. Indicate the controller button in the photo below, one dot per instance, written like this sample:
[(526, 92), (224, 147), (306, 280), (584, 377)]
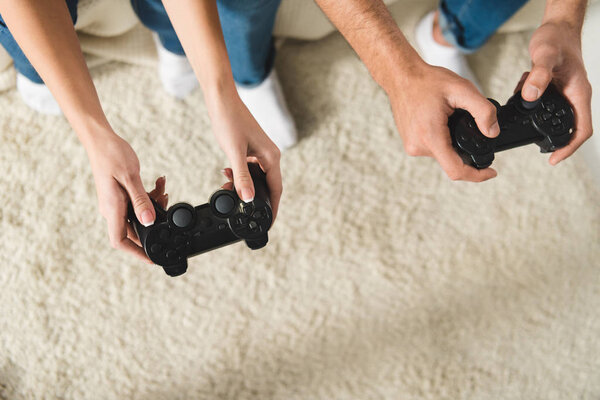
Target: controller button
[(156, 248), (179, 240), (253, 225), (248, 208), (546, 116), (555, 121), (241, 220), (222, 226), (548, 106), (224, 204), (205, 222), (164, 234), (560, 112), (182, 217), (171, 254), (257, 214)]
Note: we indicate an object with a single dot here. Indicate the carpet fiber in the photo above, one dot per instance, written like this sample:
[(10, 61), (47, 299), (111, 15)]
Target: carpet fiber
[(382, 278)]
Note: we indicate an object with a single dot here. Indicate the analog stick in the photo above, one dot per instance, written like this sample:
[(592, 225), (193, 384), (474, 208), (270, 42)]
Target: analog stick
[(182, 217), (224, 204)]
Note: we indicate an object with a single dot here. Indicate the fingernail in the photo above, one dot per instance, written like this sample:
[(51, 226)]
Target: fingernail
[(147, 219), (531, 92), (494, 129), (247, 195)]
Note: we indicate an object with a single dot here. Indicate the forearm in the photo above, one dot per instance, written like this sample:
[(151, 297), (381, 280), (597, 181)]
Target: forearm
[(45, 33), (370, 29), (571, 12), (197, 25)]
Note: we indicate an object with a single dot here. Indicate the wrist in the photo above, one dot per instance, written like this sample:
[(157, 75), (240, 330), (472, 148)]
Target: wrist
[(221, 98), (93, 133), (397, 65)]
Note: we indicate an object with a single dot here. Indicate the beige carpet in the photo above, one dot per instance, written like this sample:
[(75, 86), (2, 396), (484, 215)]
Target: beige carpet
[(382, 279)]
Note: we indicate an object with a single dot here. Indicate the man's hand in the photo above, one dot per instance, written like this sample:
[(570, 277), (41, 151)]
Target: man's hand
[(421, 109), (117, 175), (555, 50)]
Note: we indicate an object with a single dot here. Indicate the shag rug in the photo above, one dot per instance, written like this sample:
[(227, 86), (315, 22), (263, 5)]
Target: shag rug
[(382, 279)]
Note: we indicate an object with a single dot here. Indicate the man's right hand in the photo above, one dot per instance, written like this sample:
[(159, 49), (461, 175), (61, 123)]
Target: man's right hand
[(422, 103), (116, 170)]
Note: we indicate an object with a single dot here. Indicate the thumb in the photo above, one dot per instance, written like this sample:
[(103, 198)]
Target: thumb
[(142, 206), (480, 108), (540, 75), (242, 179)]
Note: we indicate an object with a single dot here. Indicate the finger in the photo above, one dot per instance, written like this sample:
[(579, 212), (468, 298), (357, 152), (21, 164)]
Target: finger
[(544, 60), (273, 174), (228, 172), (132, 235), (468, 97), (144, 210), (159, 188), (241, 176), (521, 82), (583, 131), (228, 186), (452, 164), (117, 232), (163, 201)]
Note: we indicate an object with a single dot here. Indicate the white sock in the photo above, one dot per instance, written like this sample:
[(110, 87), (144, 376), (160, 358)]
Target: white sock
[(175, 72), (439, 55), (267, 105), (37, 96)]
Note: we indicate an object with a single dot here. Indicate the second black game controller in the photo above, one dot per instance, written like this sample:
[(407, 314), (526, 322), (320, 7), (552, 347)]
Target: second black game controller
[(547, 122), (184, 231)]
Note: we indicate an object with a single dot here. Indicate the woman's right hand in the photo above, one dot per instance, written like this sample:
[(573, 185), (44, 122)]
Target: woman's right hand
[(116, 170)]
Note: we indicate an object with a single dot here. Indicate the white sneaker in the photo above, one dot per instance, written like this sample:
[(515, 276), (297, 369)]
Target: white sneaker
[(175, 72), (267, 105), (37, 96), (439, 55)]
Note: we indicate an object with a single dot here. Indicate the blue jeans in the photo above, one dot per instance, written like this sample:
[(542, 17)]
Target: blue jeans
[(468, 24), (247, 28)]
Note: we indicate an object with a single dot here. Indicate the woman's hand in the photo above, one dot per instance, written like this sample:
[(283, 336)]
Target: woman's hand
[(422, 104), (555, 50), (116, 172), (243, 140)]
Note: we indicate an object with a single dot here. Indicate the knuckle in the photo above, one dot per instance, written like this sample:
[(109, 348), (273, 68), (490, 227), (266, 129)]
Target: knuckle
[(490, 111), (547, 49), (116, 243), (411, 149), (139, 200)]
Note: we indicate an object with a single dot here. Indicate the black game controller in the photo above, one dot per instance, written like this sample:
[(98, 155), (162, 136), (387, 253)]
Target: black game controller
[(547, 122), (184, 231)]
